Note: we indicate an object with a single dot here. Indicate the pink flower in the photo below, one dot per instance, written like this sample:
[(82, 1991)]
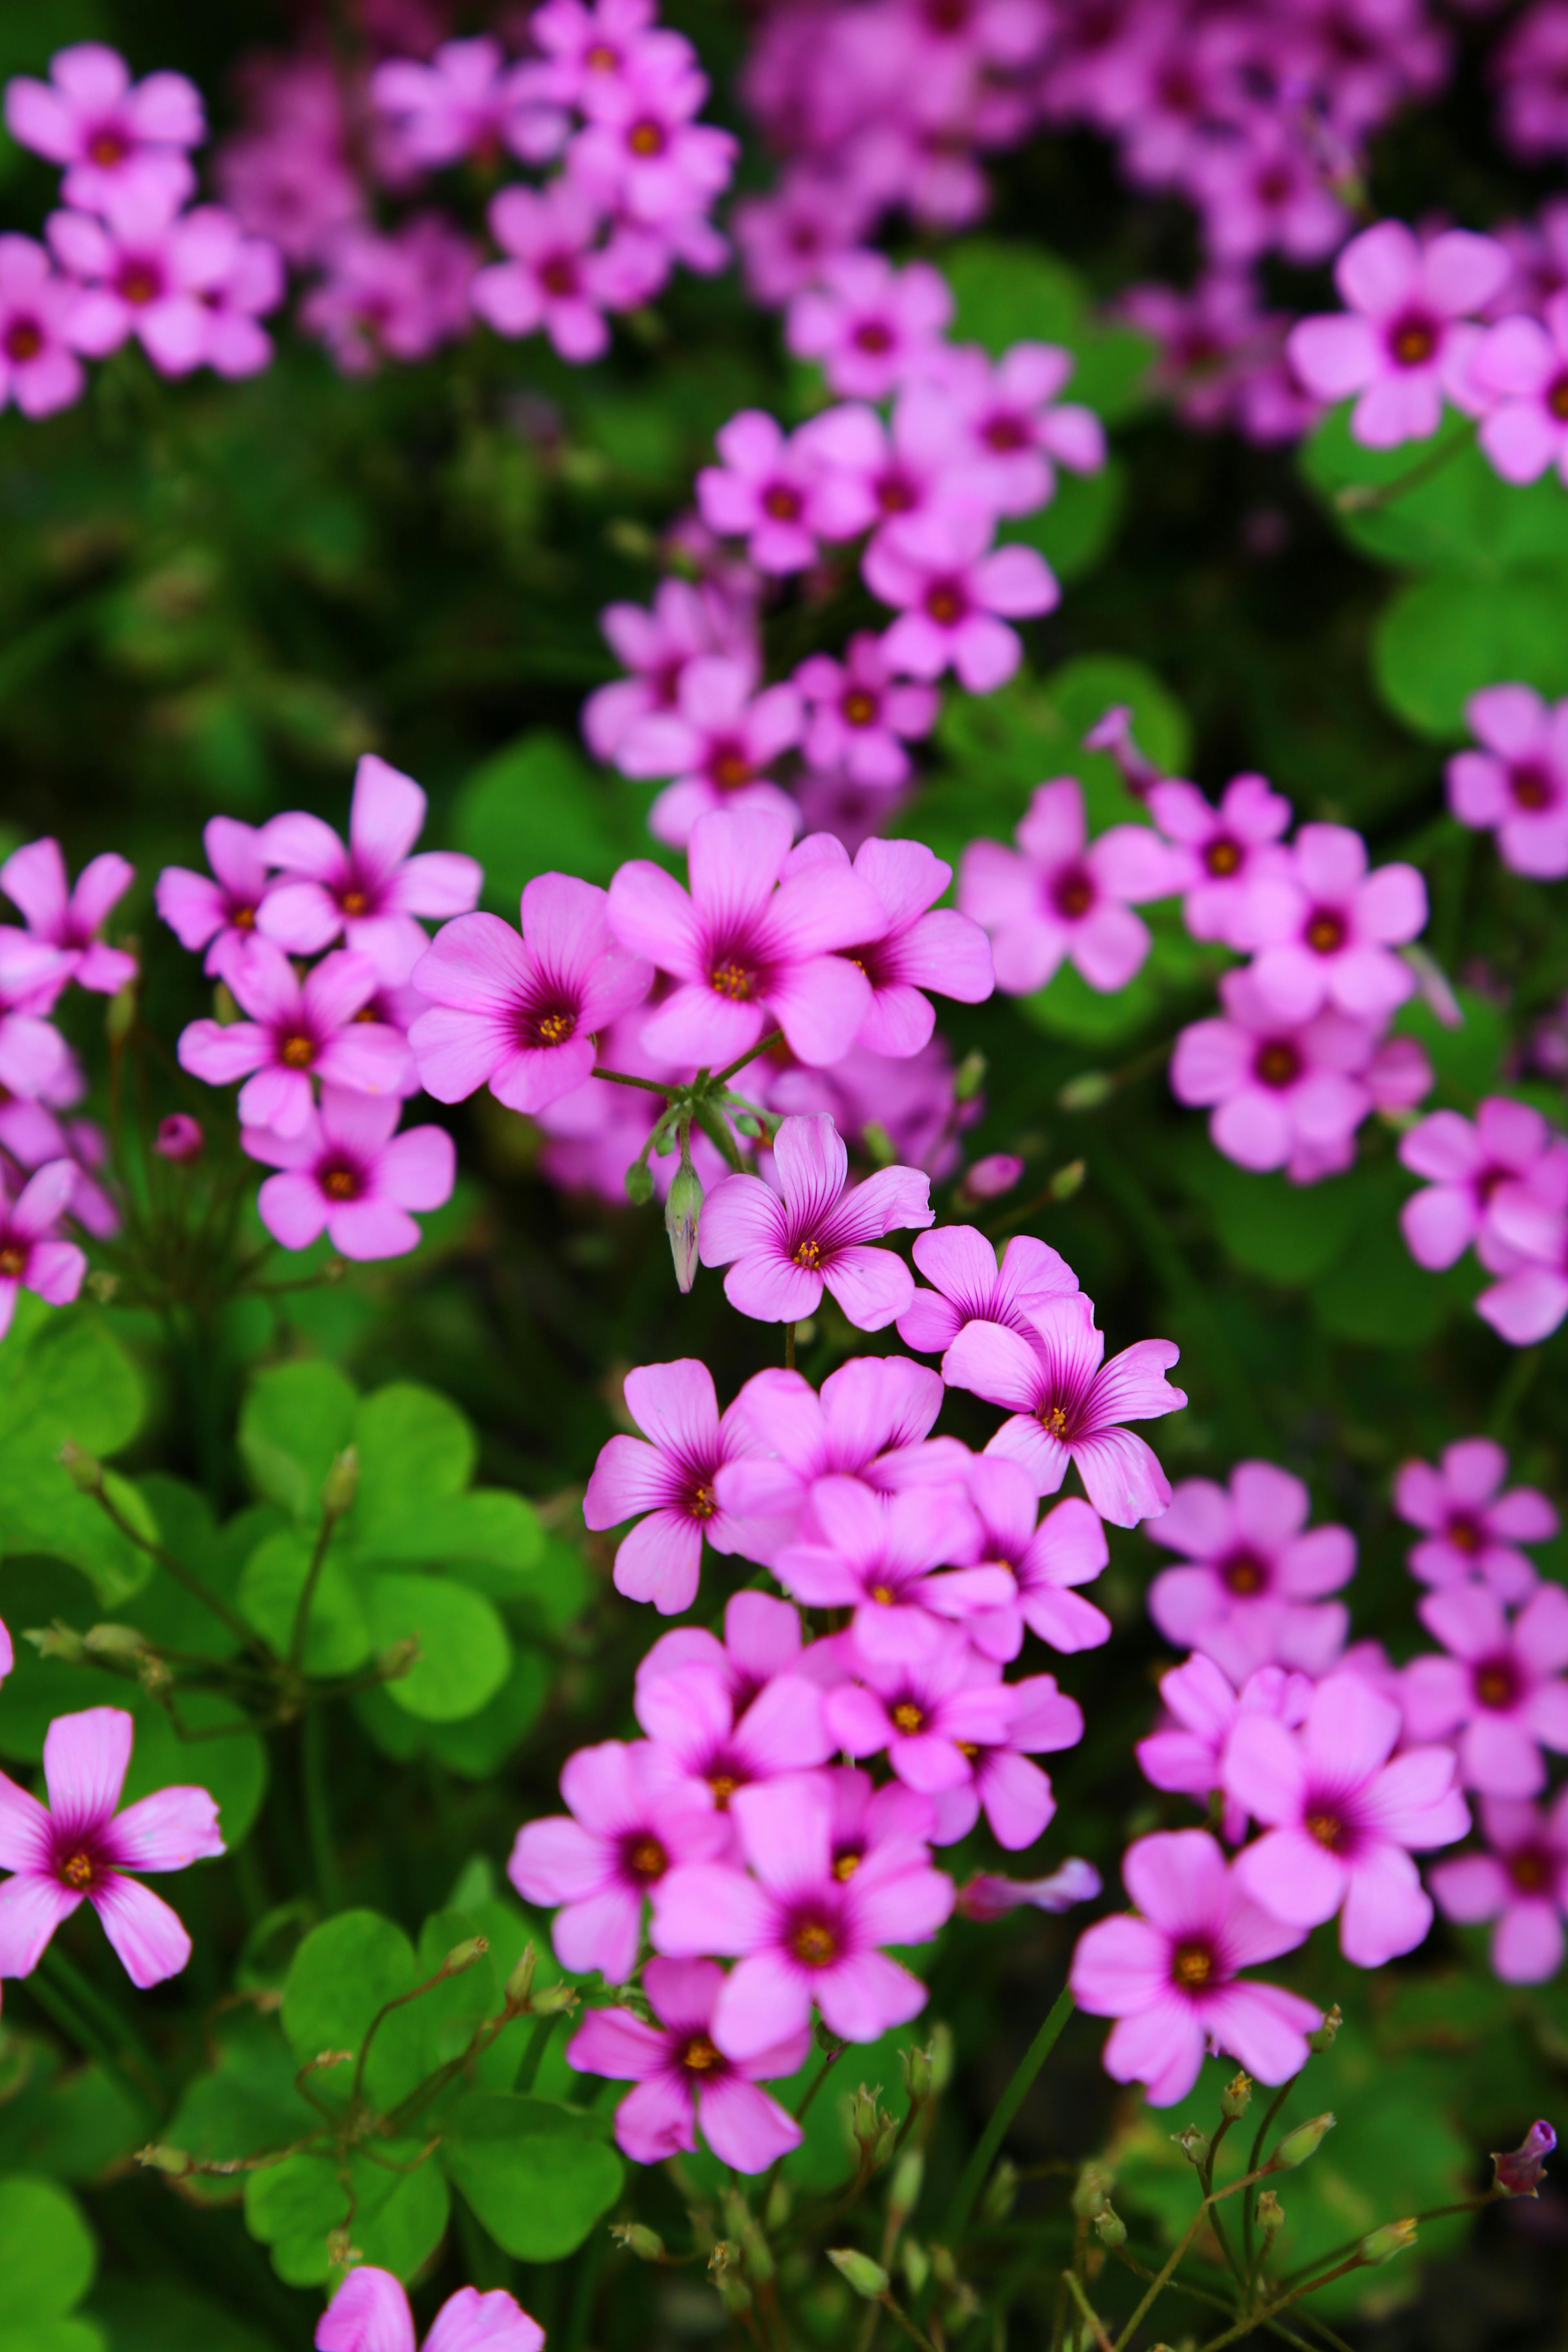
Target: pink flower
[(1520, 371), (778, 494), (1252, 1592), (1472, 1530), (370, 2313), (1322, 931), (242, 279), (399, 295), (886, 1825), (861, 715), (1002, 427), (742, 949), (518, 1014), (886, 473), (287, 173), (784, 1248), (1188, 1754), (298, 1030), (1339, 1818), (974, 1283), (33, 1060), (32, 1135), (786, 235), (7, 1654), (869, 325), (876, 1554), (642, 154), (669, 1475), (1399, 345), (988, 1897), (1172, 1978), (1522, 1883), (1525, 1240), (1067, 1548), (220, 915), (1518, 786), (686, 619), (1508, 1144), (762, 1639), (589, 44), (801, 1933), (110, 133), (1068, 1405), (31, 1257), (1060, 895), (80, 1845), (1501, 1690), (348, 1175), (370, 890), (1230, 846), (39, 369), (144, 268), (917, 945), (34, 879), (716, 741), (684, 2079), (633, 1817), (709, 1736), (467, 101), (1530, 65), (1264, 192), (179, 1139), (557, 276), (955, 594)]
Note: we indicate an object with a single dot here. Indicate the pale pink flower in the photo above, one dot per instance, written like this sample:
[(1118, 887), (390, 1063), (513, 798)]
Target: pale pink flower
[(1520, 371), (39, 369), (369, 889), (81, 1846), (1188, 1754), (1469, 1164), (955, 595), (35, 1062), (1518, 786), (370, 2313), (1060, 895), (784, 1249), (1322, 931), (110, 133), (668, 1475), (297, 1031), (1501, 1693), (1068, 1405), (642, 154), (466, 101), (709, 1737), (717, 742), (917, 945), (861, 714), (398, 296), (1253, 1593), (557, 276), (684, 2080), (870, 326), (1525, 1241), (987, 1896), (218, 914), (1230, 846), (348, 1175), (1067, 1548), (1171, 1977), (1000, 427), (32, 1257), (34, 879), (144, 268), (686, 619), (975, 1283), (1472, 1530), (1530, 67), (802, 1934), (243, 278), (1522, 1883), (891, 1557)]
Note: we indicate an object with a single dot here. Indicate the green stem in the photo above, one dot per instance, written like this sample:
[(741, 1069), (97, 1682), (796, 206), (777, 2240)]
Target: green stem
[(1253, 2162), (85, 1993), (532, 2057), (979, 2166), (302, 1624), (763, 1046), (64, 2013), (789, 1346), (193, 1583), (816, 2082), (1366, 498), (318, 1814), (1076, 2290), (624, 1078)]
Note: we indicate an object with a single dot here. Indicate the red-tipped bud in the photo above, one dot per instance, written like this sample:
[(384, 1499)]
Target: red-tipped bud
[(179, 1137)]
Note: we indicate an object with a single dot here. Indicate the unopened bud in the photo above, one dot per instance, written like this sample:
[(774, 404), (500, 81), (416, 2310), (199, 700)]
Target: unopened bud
[(1066, 1182), (867, 2278), (520, 1984), (463, 1955), (1193, 2143), (944, 2268), (57, 1641), (226, 1011), (941, 2048), (341, 1483), (827, 2041), (990, 1178), (1381, 2245), (171, 2161), (83, 1469), (877, 1144), (1236, 2097), (908, 2177), (399, 1658), (757, 2254), (646, 2245), (1091, 2193), (681, 1211), (916, 2072), (119, 1018), (969, 1077), (640, 1183), (118, 1641), (1322, 2037), (1087, 1091), (1270, 2212), (1518, 2172), (1111, 2229), (179, 1139), (866, 2121), (1001, 2192), (1299, 2144), (915, 2262), (553, 2000), (779, 2207)]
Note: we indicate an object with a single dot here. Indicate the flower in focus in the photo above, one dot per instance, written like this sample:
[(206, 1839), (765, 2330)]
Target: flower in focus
[(370, 2313), (39, 369), (368, 891), (724, 1743), (973, 1284), (955, 595), (32, 1257), (218, 914), (1522, 1884), (110, 133), (1472, 1530), (668, 1475), (1500, 1694), (34, 878), (347, 1174), (1188, 1754), (784, 1249), (1171, 1977), (298, 1030), (1254, 1593), (1060, 895), (877, 1554), (81, 1846), (917, 945), (1518, 786)]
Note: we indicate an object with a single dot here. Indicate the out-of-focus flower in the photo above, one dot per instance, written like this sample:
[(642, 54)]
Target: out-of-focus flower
[(1230, 846), (1401, 342), (466, 101), (38, 368), (1188, 1754), (557, 276), (370, 2313), (1468, 1165), (111, 134), (298, 1031), (179, 1139), (1060, 895), (1517, 788), (34, 878), (1522, 1884), (1322, 928), (717, 742), (861, 714), (1501, 1693), (348, 1175), (870, 326), (1472, 1530), (955, 595), (1254, 1591), (218, 914), (32, 1257)]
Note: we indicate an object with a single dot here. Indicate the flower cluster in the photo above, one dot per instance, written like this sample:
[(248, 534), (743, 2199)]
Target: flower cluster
[(1497, 1183)]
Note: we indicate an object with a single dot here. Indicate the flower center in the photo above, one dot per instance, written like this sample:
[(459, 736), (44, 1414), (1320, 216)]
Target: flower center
[(731, 978), (1557, 399), (907, 1716), (846, 1863), (601, 57), (1531, 786), (76, 1870), (1327, 1827), (1274, 185), (946, 603), (700, 2055), (339, 1184), (107, 147), (858, 706), (559, 274), (1278, 1064), (883, 1594), (782, 503), (1074, 894), (1192, 1965), (1004, 434), (723, 1785), (1223, 856), (243, 919), (809, 1254), (1464, 1534), (1532, 1870), (1053, 1420), (699, 1503), (646, 138), (12, 1261), (354, 901), (646, 1858), (24, 340), (1413, 342), (1497, 1682), (813, 1942), (729, 767), (140, 283), (1244, 1573), (297, 1052), (895, 494), (1326, 932), (873, 335)]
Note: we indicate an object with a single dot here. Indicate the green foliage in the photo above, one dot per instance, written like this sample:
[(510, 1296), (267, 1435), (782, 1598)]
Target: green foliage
[(64, 1377), (1009, 294), (537, 2174), (50, 2259), (540, 807)]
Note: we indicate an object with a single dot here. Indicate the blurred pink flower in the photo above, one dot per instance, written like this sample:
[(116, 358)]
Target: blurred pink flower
[(686, 619), (557, 276), (111, 134), (466, 101), (32, 1257), (861, 714), (1469, 1164), (1522, 1883), (869, 325), (34, 878), (717, 742), (1254, 1586), (144, 268), (1399, 344), (1500, 1692), (220, 915), (952, 589), (1188, 1754), (1322, 928), (1472, 1530), (38, 368), (1230, 846), (777, 493), (1518, 786), (1000, 425), (1060, 895)]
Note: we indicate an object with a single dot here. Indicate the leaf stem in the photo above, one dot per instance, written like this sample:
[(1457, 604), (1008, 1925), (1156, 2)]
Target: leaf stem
[(318, 1813), (980, 2163)]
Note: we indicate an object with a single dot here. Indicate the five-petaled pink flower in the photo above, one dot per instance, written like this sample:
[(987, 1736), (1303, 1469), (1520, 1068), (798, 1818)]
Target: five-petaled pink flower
[(1188, 1753), (684, 2079), (762, 1638), (1000, 426), (519, 1015), (973, 1286), (1522, 1883), (1230, 846), (1521, 371), (144, 268), (1518, 785), (801, 1933), (1472, 1530), (725, 1742), (1252, 1592), (784, 1249), (668, 1475), (879, 1555), (654, 643), (370, 2313), (717, 742), (919, 945), (218, 914), (31, 1257), (1068, 1404), (776, 494), (1060, 895), (1321, 931), (34, 878), (467, 101), (1067, 1548), (298, 1030), (1508, 1145), (869, 324), (34, 1062), (369, 890), (348, 1175), (1171, 1978), (955, 594), (80, 1846), (862, 713), (557, 276), (1340, 1819), (110, 133), (1500, 1692), (39, 369)]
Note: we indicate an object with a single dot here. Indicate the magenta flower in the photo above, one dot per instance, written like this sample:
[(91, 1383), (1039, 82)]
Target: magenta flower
[(642, 154), (762, 1639), (466, 101), (1172, 1978), (518, 1014), (986, 1897), (220, 915), (775, 493), (632, 1817), (348, 1175), (955, 594), (1473, 1530), (917, 945), (1230, 846), (1399, 344), (684, 2079), (1068, 1405), (716, 742), (1508, 1144), (298, 1030), (81, 1846), (587, 43), (7, 1654), (1000, 429), (1188, 1754), (669, 1476), (370, 891), (144, 267), (1522, 1883), (557, 277), (1006, 1783), (370, 2313), (33, 1058), (400, 295), (861, 715), (1500, 1692), (32, 1257), (1518, 786), (877, 1553), (801, 1933), (709, 1736), (744, 948), (888, 473), (975, 1283), (1254, 1591), (1067, 1547), (869, 324), (1520, 371), (110, 133), (1060, 895), (1340, 1819), (1525, 1240), (1264, 192), (784, 1248), (32, 1135), (242, 279), (34, 879), (686, 619), (39, 369), (1321, 933), (180, 1139), (886, 1825)]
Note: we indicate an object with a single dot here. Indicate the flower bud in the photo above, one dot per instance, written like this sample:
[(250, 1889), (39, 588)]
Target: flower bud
[(1236, 2097), (1001, 2192), (757, 2254), (1091, 2194), (117, 1642), (1087, 1091), (83, 1469), (1111, 2229), (866, 2121), (463, 1955), (969, 1077), (989, 1177), (57, 1641), (1270, 2212), (867, 2278), (916, 2072), (1517, 2173), (171, 2161), (1381, 2245), (640, 1183), (681, 1211), (553, 2000), (1299, 2144), (941, 2048), (179, 1139), (1193, 2144), (1067, 1181), (1322, 2037), (904, 2192), (646, 2245), (520, 1984), (944, 2268), (915, 2262), (779, 2207), (877, 1144), (119, 1013), (341, 1483)]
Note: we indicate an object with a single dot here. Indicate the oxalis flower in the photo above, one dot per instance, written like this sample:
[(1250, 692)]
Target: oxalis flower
[(79, 1848), (784, 1249), (32, 1257), (1172, 1978), (1471, 1529), (1060, 895), (1522, 1884), (801, 1933), (974, 1285), (712, 1738), (1503, 1690), (298, 1030), (1068, 1405), (34, 877), (348, 1175), (669, 1475), (1065, 1548), (370, 2313), (1253, 1591), (877, 1553), (1188, 1753)]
